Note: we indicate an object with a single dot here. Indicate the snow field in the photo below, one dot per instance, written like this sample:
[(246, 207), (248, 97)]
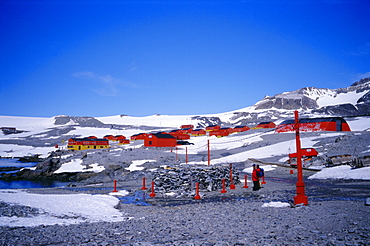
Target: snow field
[(61, 209)]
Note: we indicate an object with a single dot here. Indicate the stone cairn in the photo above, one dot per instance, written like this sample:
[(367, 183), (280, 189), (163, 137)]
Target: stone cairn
[(182, 179)]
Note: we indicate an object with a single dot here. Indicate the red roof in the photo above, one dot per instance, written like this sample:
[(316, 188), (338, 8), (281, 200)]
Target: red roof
[(266, 125)]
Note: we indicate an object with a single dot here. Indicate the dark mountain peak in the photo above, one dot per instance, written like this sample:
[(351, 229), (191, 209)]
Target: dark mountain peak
[(363, 81)]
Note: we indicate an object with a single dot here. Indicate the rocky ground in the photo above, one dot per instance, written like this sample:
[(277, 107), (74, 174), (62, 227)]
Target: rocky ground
[(336, 215)]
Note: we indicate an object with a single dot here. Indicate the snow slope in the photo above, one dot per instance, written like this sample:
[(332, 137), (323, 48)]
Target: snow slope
[(61, 209)]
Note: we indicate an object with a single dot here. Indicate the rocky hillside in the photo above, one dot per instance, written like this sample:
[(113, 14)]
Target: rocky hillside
[(351, 101), (40, 135), (348, 102)]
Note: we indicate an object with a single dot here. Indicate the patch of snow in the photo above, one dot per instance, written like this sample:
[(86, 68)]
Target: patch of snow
[(342, 172), (276, 205), (341, 98), (120, 193), (359, 124), (12, 150), (61, 209), (281, 148), (75, 165), (135, 165)]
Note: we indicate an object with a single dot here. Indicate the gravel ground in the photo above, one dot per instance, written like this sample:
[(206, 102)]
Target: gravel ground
[(336, 215)]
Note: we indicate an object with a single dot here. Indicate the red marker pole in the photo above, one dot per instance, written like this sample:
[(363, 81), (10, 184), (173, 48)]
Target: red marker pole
[(152, 194), (232, 185), (300, 198), (197, 196), (186, 150), (245, 182), (114, 186), (223, 186), (209, 153), (263, 180), (143, 188)]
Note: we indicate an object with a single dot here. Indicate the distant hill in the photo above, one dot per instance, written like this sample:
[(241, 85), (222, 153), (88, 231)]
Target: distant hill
[(310, 101), (35, 135)]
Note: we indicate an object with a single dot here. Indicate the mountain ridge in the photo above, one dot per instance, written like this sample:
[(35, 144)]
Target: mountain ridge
[(309, 101)]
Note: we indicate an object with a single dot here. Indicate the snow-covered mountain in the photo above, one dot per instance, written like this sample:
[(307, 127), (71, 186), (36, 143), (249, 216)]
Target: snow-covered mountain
[(312, 98), (40, 135)]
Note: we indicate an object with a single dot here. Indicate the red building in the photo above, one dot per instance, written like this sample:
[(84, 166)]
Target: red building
[(160, 140), (187, 126), (241, 128), (305, 152), (186, 130), (140, 136), (123, 141), (212, 128), (267, 124), (119, 137), (223, 132), (109, 137), (198, 132), (179, 134), (87, 143), (335, 124)]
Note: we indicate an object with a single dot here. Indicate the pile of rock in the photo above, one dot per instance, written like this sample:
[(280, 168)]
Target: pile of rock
[(183, 179)]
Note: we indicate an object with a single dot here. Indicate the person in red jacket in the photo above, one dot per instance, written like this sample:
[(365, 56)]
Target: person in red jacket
[(255, 178)]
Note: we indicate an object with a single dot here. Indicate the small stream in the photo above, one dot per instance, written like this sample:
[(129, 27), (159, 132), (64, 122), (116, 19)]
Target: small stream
[(12, 166)]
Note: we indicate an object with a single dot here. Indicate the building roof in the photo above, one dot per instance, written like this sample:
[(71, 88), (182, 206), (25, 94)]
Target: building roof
[(163, 135), (309, 120)]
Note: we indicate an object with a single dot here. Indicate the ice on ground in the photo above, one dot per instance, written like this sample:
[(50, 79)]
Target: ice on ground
[(11, 150), (135, 165), (119, 193), (276, 205), (75, 165), (61, 209), (342, 172)]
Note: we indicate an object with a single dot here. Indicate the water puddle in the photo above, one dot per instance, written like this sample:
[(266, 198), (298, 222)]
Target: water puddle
[(138, 198)]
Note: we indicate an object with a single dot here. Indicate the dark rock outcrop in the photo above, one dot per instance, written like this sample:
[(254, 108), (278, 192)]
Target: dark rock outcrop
[(280, 102), (207, 121)]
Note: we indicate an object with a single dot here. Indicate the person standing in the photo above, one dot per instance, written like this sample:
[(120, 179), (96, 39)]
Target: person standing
[(255, 178)]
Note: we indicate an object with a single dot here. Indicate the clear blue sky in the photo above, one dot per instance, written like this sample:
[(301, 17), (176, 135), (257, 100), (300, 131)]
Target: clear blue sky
[(110, 57)]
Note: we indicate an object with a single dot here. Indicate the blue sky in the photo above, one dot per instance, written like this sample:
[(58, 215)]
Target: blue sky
[(139, 58)]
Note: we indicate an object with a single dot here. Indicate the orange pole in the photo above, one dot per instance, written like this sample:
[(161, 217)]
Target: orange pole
[(197, 196), (152, 194), (232, 185), (143, 188), (223, 186), (115, 186), (245, 182), (186, 160), (263, 180), (209, 154), (300, 198)]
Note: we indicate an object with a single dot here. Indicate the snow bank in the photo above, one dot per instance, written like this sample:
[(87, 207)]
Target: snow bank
[(14, 150), (276, 205), (75, 165), (61, 209), (341, 98), (342, 172), (281, 148), (360, 124), (135, 165)]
